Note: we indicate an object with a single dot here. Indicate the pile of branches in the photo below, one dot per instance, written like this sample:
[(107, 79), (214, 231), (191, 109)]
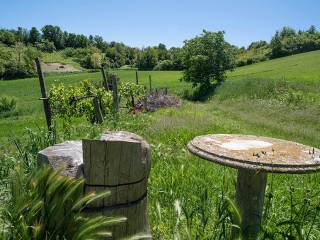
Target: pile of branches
[(155, 99)]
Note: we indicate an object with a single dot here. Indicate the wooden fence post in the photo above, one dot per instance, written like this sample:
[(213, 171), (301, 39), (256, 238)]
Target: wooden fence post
[(97, 109), (137, 78), (105, 81), (121, 164), (150, 86), (44, 97), (165, 92), (115, 92), (132, 100)]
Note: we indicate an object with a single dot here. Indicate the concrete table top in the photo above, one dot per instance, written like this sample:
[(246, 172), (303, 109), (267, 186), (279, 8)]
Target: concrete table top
[(256, 153)]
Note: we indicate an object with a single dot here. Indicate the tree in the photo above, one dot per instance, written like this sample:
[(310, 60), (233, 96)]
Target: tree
[(7, 37), (53, 34), (206, 58), (287, 32), (312, 29), (34, 35), (162, 52), (147, 59)]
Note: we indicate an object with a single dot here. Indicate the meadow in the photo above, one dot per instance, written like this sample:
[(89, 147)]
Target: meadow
[(190, 198)]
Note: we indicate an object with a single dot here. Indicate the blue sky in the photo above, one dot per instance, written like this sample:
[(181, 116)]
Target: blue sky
[(141, 23)]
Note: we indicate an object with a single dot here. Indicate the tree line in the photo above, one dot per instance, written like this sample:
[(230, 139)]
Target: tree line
[(93, 51), (18, 47), (284, 42)]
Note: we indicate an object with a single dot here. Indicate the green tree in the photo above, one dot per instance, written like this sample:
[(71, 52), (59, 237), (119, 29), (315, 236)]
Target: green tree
[(206, 58), (287, 32), (34, 35), (7, 37), (53, 34), (312, 29), (147, 59)]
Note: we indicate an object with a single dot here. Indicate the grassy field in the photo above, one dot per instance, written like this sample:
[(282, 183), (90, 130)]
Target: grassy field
[(299, 67), (188, 197)]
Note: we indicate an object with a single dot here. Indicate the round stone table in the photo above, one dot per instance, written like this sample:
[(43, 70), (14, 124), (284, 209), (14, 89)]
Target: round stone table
[(254, 157)]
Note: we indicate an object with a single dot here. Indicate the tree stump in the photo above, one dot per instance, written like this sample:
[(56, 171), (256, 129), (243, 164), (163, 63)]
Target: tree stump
[(119, 162)]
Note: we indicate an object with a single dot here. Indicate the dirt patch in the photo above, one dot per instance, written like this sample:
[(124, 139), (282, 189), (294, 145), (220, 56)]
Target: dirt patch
[(58, 68)]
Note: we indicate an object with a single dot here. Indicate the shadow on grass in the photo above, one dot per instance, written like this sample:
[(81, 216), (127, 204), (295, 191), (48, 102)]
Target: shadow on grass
[(201, 94)]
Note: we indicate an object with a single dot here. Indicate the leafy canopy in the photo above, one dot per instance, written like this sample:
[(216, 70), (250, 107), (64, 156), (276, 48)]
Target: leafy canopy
[(206, 59)]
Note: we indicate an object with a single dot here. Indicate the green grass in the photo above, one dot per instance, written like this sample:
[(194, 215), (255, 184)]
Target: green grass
[(58, 57), (299, 67), (27, 93), (260, 102)]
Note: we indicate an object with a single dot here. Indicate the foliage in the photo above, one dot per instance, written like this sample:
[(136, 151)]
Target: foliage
[(7, 105), (131, 93), (17, 61), (76, 101), (45, 205), (147, 59), (164, 65), (206, 59), (45, 45), (287, 42), (93, 58)]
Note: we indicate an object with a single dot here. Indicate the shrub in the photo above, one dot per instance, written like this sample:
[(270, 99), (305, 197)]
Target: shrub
[(45, 46), (65, 105), (7, 105), (164, 65), (17, 62), (129, 91)]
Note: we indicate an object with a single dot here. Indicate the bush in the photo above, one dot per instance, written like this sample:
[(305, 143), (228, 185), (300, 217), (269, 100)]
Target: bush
[(17, 62), (7, 105), (45, 46), (164, 65)]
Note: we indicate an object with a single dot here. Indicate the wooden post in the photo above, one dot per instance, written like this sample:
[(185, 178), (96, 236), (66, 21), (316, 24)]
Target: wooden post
[(121, 164), (132, 100), (46, 105), (115, 92), (97, 109), (150, 86), (250, 192), (137, 78), (105, 81)]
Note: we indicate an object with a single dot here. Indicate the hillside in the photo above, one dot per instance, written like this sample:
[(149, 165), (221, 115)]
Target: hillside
[(300, 67)]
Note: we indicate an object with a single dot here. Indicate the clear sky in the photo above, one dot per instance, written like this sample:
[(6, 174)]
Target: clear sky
[(141, 23)]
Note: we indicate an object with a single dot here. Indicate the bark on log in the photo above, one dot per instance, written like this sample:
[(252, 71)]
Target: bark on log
[(119, 162)]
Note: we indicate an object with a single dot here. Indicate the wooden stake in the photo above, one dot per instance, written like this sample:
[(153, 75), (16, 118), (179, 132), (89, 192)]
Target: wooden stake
[(115, 93), (97, 109), (137, 78), (105, 81), (150, 86), (46, 105), (132, 100)]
